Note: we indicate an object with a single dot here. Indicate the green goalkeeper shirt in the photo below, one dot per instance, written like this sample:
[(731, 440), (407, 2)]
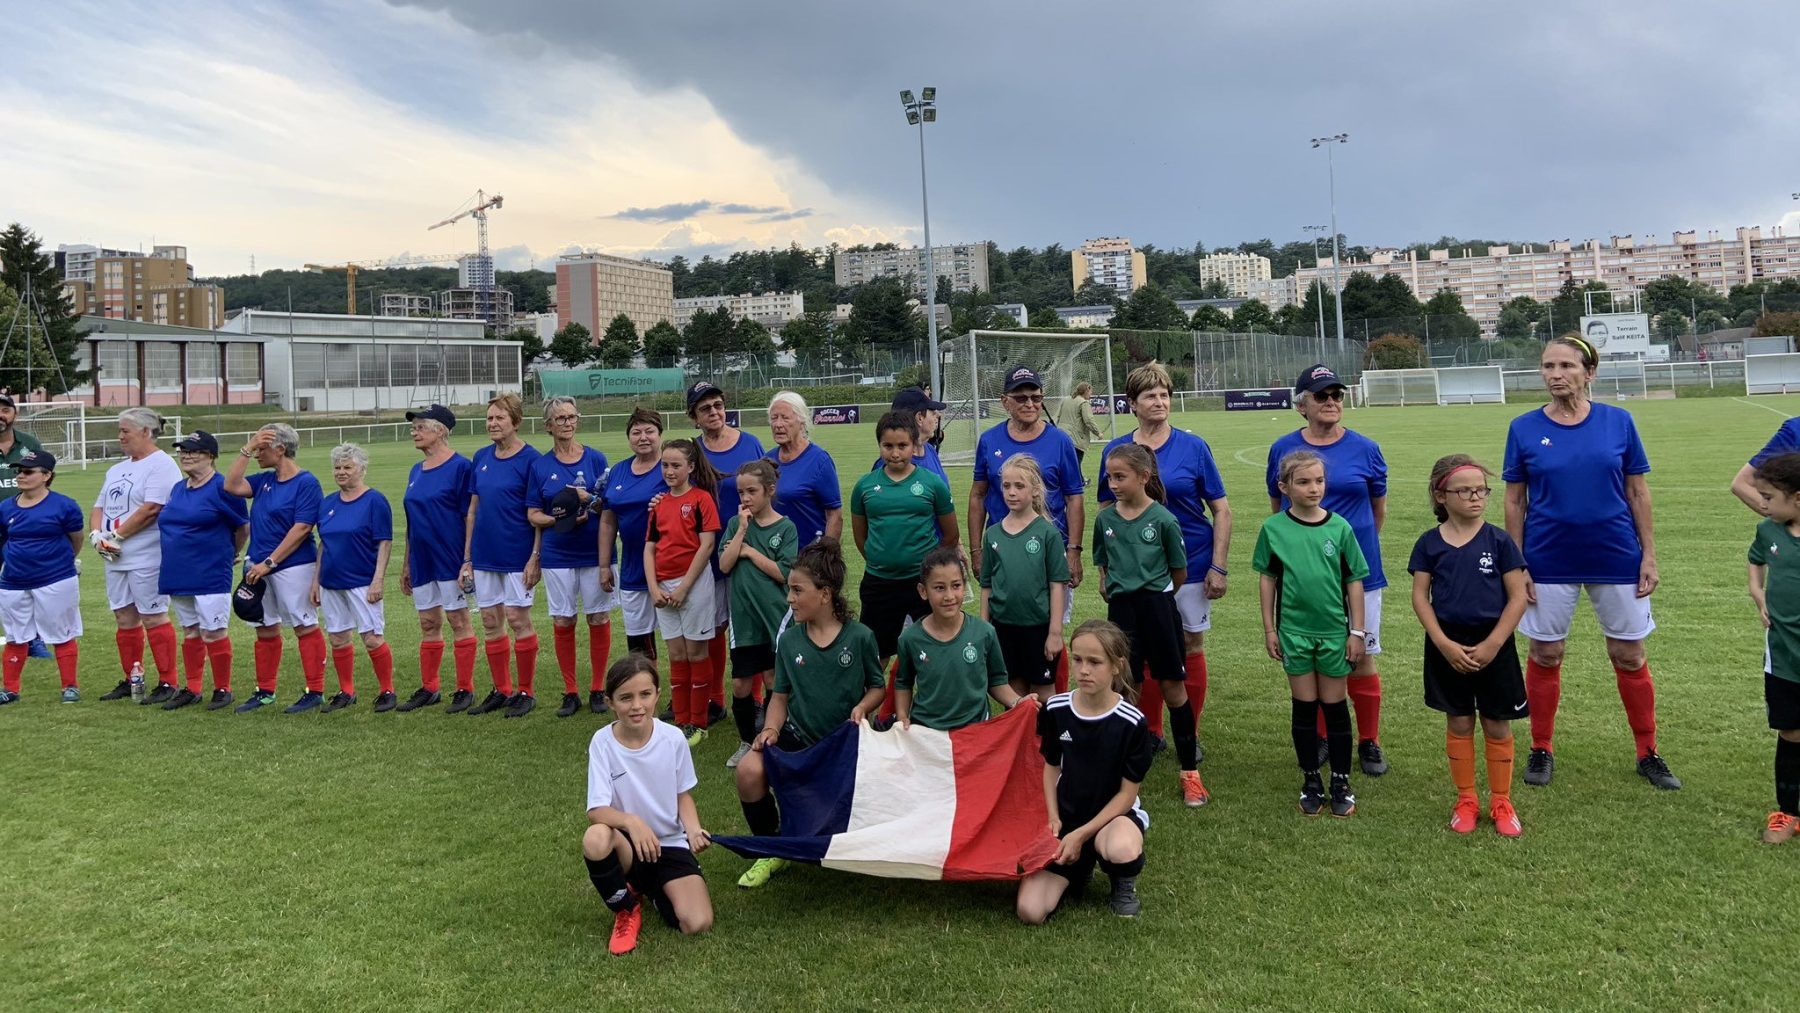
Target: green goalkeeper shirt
[(1312, 563)]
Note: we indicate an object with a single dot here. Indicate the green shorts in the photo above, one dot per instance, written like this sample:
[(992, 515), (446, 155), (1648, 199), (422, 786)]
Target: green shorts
[(1307, 655)]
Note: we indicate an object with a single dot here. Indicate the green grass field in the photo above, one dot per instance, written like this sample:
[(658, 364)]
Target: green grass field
[(202, 860)]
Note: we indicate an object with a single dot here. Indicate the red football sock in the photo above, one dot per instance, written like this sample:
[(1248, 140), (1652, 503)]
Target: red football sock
[(599, 648), (13, 666), (343, 661), (131, 647), (1150, 701), (312, 659), (1321, 725), (268, 662), (162, 651), (756, 688), (431, 664), (525, 651), (565, 655), (1062, 672), (193, 663), (218, 653), (887, 695), (499, 660), (1543, 690), (716, 651), (1365, 696), (700, 687), (463, 651), (68, 656), (1196, 682), (678, 690), (382, 660), (1638, 693)]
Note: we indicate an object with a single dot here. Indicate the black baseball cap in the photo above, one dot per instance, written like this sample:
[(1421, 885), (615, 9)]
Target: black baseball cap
[(7, 400), (247, 600), (701, 391), (1022, 376), (565, 506), (436, 413), (1317, 377), (912, 399), (36, 459), (200, 440)]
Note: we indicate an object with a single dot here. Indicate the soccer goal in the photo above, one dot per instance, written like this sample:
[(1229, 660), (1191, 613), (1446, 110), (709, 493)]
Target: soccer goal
[(61, 427), (1619, 379), (1777, 373), (1448, 385), (974, 365)]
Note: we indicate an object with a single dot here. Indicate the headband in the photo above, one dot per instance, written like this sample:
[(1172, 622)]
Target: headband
[(1592, 355), (1442, 482)]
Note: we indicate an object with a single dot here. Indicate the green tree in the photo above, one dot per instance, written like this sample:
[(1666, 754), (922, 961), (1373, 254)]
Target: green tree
[(56, 336), (1045, 316), (1150, 309), (533, 348), (1209, 318), (1518, 318), (1671, 324), (573, 346), (1563, 315), (807, 335), (1676, 293), (662, 345), (1395, 351), (1711, 320), (1777, 325), (1252, 316), (880, 314), (750, 338), (618, 346), (1316, 293), (1092, 293), (709, 333), (1213, 288), (1448, 320)]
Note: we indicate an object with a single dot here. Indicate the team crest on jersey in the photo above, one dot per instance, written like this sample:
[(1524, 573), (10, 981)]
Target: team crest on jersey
[(1149, 534), (970, 654), (1545, 441), (918, 488), (1032, 545), (1109, 532), (687, 509), (775, 541), (1485, 563), (845, 658), (1330, 547)]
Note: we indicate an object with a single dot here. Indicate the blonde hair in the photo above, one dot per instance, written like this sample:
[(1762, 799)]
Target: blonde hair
[(1028, 466), (511, 405), (1296, 460)]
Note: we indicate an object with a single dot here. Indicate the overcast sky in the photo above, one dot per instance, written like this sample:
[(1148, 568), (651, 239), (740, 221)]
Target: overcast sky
[(340, 129)]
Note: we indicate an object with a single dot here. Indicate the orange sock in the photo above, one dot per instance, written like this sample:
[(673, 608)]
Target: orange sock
[(1500, 768), (68, 660), (1461, 749)]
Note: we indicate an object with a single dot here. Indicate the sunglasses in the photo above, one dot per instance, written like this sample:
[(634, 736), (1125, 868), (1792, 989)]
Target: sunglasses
[(1027, 398), (1334, 394)]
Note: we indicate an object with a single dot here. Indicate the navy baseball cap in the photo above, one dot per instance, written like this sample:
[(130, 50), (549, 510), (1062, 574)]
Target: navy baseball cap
[(200, 440), (565, 506), (36, 459), (436, 413), (247, 600), (7, 400), (912, 399), (701, 391), (1317, 377), (1022, 376)]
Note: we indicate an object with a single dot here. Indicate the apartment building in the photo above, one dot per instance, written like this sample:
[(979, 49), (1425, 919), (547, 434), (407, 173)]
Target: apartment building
[(1276, 293), (1236, 271), (592, 288), (1110, 261), (154, 289), (773, 310), (965, 264)]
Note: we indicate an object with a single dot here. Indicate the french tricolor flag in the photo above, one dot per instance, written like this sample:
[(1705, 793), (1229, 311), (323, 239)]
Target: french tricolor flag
[(913, 803)]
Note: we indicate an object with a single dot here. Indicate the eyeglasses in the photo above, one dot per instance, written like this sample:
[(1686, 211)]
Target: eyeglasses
[(1479, 492), (710, 406), (1334, 394), (1027, 398), (563, 420)]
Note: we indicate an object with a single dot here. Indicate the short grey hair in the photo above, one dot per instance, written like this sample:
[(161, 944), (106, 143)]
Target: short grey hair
[(798, 404), (351, 453), (142, 419), (551, 404), (285, 438), (432, 426)]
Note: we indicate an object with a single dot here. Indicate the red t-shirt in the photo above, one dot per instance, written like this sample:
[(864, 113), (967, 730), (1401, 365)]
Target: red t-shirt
[(675, 526)]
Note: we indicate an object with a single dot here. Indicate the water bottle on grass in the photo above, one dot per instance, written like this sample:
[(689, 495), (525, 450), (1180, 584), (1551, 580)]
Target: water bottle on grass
[(137, 682)]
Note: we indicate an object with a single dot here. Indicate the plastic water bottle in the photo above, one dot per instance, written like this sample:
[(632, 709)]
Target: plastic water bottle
[(137, 682)]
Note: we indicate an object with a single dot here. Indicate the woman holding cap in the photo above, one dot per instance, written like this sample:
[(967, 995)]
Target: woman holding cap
[(437, 508), (929, 416), (499, 546), (205, 528), (1356, 489), (284, 510), (631, 485), (727, 449), (123, 533), (808, 492), (40, 592), (1578, 504), (356, 536), (561, 501)]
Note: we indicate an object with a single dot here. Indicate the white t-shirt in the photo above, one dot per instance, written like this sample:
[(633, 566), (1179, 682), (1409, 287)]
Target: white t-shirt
[(129, 485), (643, 782)]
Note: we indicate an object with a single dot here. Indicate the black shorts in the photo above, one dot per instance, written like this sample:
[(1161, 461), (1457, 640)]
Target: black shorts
[(1081, 870), (752, 660), (885, 605), (1153, 627), (789, 741), (1497, 692), (1783, 698), (649, 878), (1022, 647)]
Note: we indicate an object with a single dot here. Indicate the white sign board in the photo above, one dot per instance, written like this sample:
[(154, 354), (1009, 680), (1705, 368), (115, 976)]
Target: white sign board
[(1618, 333)]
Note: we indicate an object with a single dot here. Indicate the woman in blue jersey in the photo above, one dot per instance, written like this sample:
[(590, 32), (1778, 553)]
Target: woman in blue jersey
[(1357, 491), (561, 502), (807, 492), (727, 450), (500, 556), (284, 510), (1191, 478), (356, 537), (1743, 485), (204, 528), (40, 589), (437, 508), (630, 486), (1578, 504)]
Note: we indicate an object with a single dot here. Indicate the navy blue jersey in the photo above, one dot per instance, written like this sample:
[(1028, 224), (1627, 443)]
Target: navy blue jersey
[(503, 536), (352, 532), (1468, 585), (38, 550), (198, 528), (277, 506)]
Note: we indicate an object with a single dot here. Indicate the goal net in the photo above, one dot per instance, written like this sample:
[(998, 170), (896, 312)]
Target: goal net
[(1620, 378), (974, 367), (1777, 373), (61, 427), (1444, 385)]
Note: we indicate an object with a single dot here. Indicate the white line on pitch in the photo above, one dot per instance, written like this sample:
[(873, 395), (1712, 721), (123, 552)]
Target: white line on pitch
[(1764, 407), (1239, 458)]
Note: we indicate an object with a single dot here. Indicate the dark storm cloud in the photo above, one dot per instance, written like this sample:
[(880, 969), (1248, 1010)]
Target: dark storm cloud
[(1172, 120)]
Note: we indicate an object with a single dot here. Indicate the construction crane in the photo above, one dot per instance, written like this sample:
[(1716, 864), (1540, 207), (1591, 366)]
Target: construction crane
[(353, 266), (485, 282)]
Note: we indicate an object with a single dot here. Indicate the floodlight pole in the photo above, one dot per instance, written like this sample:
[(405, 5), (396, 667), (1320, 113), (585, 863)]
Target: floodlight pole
[(1337, 297), (917, 112), (1315, 230)]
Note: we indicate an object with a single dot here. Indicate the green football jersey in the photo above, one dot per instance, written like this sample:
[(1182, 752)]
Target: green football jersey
[(1311, 563), (949, 679), (823, 684), (1781, 592), (758, 601), (1018, 570), (903, 520), (1139, 553)]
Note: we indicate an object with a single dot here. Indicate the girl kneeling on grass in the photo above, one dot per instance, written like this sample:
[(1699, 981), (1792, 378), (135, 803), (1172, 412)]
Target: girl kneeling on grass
[(1312, 611), (760, 546), (1096, 752), (645, 830), (1142, 561), (1469, 592), (950, 662), (827, 672), (678, 544), (1025, 580), (1775, 588)]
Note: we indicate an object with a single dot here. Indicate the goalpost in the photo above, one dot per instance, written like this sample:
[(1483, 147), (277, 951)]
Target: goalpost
[(1777, 373), (61, 427), (974, 366), (1446, 385)]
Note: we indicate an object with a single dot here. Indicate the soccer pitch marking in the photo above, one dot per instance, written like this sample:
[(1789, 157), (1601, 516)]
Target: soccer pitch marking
[(1764, 407)]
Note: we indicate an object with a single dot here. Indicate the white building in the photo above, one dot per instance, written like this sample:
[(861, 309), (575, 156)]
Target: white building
[(76, 261), (965, 264), (773, 310), (1110, 261), (1236, 271), (1276, 293), (1083, 317), (474, 271)]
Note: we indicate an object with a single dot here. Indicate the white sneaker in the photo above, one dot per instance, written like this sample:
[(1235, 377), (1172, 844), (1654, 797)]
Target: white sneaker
[(742, 749)]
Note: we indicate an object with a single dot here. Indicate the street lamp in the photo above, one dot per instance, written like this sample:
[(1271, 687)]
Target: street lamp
[(1337, 295), (1316, 231), (920, 111)]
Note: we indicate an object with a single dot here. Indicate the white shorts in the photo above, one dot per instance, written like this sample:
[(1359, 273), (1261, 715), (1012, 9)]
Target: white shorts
[(721, 601), (207, 611), (288, 600), (445, 594), (347, 610), (503, 589), (694, 619), (1193, 604), (1372, 621), (640, 615), (581, 583), (136, 588), (51, 613), (1622, 614)]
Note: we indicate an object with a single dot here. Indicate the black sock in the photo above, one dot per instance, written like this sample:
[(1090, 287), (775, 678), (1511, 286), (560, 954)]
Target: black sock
[(1116, 870), (1337, 735), (609, 878), (743, 712), (763, 816), (1181, 729), (1787, 776), (1306, 736), (642, 643)]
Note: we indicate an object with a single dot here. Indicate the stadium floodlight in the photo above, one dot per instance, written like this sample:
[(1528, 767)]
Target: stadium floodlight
[(1337, 288), (919, 112)]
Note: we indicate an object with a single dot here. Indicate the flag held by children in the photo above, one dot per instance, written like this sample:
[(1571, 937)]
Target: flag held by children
[(913, 803)]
